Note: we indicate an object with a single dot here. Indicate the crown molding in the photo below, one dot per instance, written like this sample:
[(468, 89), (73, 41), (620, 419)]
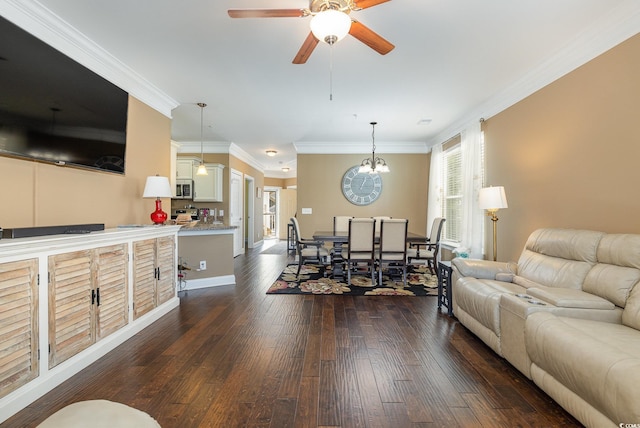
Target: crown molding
[(220, 147), (42, 23), (359, 148), (620, 24)]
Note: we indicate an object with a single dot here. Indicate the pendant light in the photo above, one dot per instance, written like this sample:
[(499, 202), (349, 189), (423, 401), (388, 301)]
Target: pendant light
[(202, 170), (373, 165)]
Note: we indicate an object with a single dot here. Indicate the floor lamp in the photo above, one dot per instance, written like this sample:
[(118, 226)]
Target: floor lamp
[(492, 199)]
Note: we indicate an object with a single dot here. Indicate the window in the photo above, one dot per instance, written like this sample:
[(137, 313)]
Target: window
[(452, 192)]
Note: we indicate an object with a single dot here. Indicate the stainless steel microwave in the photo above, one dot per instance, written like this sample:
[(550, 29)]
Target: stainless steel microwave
[(184, 189)]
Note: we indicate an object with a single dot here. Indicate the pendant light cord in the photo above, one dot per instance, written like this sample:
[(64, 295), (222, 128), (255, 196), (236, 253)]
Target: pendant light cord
[(331, 72)]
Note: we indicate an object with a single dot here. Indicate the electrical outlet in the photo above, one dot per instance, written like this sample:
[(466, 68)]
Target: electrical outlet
[(203, 264)]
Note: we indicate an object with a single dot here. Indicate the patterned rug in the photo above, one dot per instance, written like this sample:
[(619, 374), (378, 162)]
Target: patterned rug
[(312, 280)]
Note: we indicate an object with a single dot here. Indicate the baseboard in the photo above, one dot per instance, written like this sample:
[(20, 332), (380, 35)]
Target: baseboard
[(215, 281)]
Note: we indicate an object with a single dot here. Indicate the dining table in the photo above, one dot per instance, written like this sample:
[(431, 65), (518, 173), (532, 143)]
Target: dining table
[(342, 237), (337, 238)]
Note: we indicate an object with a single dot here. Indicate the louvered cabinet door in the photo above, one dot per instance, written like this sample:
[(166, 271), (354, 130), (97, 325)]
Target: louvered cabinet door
[(70, 308), (166, 281), (144, 277), (111, 289), (18, 324)]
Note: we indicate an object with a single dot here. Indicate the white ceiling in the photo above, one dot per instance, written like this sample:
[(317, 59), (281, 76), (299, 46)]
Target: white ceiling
[(455, 61)]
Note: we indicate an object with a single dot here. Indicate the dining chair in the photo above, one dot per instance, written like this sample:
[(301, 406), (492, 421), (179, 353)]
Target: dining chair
[(360, 248), (432, 246), (308, 249), (392, 251)]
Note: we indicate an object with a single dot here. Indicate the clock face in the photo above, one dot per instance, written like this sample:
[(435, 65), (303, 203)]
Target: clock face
[(361, 188)]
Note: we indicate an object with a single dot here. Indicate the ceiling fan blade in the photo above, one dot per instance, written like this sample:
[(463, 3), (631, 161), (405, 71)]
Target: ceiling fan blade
[(370, 38), (266, 13), (305, 51), (363, 4)]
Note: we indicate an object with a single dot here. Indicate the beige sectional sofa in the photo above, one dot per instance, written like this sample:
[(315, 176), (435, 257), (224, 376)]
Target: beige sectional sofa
[(567, 315)]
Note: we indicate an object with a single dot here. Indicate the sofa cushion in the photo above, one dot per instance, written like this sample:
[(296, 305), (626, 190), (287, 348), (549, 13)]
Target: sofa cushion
[(610, 282), (631, 312), (559, 257), (620, 249), (598, 361)]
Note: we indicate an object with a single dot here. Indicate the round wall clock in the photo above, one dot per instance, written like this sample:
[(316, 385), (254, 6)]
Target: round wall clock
[(361, 188)]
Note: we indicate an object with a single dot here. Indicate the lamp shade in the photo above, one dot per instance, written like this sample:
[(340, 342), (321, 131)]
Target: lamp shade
[(330, 25), (492, 198), (157, 187)]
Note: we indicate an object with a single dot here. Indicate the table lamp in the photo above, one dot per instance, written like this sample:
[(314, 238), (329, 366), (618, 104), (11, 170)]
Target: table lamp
[(492, 199), (157, 187)]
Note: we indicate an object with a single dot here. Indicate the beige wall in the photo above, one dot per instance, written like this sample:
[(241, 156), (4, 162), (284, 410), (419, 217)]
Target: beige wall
[(404, 190), (568, 155), (39, 194), (216, 250)]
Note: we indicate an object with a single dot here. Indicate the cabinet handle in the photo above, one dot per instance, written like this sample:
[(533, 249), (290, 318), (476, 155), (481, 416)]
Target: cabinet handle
[(98, 296), (93, 297), (158, 273)]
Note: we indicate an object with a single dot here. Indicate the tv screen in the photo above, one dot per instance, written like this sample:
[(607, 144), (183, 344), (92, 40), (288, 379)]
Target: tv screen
[(53, 109)]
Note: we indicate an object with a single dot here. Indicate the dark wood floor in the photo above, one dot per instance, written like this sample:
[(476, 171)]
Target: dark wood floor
[(233, 356)]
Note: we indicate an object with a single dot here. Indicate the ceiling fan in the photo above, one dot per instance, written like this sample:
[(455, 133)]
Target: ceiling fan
[(334, 12)]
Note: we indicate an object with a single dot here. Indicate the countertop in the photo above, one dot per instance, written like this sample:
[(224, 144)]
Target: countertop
[(206, 229)]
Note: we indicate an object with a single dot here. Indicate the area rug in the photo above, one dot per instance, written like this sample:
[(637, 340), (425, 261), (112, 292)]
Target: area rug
[(99, 414), (312, 280)]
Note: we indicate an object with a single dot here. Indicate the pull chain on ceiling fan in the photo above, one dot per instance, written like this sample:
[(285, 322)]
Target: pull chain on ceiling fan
[(331, 14)]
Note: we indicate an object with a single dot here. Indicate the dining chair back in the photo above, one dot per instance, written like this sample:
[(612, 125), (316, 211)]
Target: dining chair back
[(378, 222), (308, 249), (360, 246), (392, 251), (341, 223)]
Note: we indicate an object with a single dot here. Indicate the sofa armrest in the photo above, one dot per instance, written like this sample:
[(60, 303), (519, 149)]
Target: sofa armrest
[(569, 298), (485, 269)]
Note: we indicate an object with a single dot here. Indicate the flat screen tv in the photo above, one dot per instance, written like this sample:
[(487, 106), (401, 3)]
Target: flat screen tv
[(53, 109)]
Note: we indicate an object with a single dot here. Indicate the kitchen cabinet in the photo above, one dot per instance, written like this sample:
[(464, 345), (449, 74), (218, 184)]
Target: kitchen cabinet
[(154, 277), (184, 169), (208, 188), (67, 300), (87, 299), (18, 324)]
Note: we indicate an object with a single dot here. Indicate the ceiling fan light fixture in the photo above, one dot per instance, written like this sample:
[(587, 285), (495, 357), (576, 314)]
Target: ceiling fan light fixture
[(330, 26)]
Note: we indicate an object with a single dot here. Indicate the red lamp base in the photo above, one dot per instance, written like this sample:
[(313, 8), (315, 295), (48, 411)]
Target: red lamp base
[(158, 216)]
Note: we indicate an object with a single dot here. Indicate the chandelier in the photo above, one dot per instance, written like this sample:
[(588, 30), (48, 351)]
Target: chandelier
[(373, 165)]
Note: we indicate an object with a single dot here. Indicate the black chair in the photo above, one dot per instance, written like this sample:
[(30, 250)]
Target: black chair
[(308, 249), (432, 246)]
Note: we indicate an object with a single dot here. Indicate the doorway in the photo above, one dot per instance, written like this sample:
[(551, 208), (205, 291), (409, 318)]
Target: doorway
[(270, 213)]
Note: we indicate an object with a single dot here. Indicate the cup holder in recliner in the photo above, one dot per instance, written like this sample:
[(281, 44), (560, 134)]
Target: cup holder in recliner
[(530, 299)]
